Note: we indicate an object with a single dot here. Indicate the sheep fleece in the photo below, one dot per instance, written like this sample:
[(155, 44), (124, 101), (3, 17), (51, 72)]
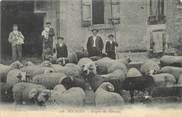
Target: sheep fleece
[(74, 96), (21, 91), (106, 98), (49, 80)]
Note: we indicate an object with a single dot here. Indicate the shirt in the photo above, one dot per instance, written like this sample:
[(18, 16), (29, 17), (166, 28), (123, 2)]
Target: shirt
[(94, 38), (16, 38)]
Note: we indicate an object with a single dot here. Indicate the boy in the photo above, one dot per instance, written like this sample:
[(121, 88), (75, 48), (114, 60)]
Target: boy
[(111, 45), (62, 52), (17, 40), (61, 48)]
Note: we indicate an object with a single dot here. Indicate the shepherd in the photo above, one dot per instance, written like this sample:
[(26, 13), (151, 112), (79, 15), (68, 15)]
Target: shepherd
[(16, 39), (47, 36), (95, 44)]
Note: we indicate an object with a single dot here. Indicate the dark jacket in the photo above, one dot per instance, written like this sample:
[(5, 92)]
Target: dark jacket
[(99, 45), (110, 48), (61, 50)]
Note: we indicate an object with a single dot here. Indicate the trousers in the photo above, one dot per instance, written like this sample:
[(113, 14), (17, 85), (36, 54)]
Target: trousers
[(16, 52)]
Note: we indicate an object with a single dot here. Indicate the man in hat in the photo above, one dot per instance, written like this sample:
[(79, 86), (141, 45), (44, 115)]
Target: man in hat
[(111, 45), (47, 36), (95, 44), (17, 40)]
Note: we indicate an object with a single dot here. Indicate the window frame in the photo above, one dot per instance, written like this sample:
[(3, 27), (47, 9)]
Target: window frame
[(109, 20), (152, 18), (42, 9)]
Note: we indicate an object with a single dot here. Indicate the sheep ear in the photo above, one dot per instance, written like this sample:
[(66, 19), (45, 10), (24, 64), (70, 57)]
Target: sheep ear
[(110, 87), (33, 93)]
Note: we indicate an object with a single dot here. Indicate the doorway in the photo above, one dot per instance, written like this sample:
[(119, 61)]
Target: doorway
[(30, 24)]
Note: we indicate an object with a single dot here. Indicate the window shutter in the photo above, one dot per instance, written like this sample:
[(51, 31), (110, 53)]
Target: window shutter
[(115, 11), (157, 12), (86, 9)]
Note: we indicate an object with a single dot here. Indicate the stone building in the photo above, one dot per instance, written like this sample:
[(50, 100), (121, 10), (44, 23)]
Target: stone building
[(133, 22)]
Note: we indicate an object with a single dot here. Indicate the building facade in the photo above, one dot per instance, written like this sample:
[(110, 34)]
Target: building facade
[(133, 22)]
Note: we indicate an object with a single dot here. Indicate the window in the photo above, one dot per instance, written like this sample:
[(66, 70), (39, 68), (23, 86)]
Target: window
[(93, 12), (97, 11), (40, 6), (157, 15)]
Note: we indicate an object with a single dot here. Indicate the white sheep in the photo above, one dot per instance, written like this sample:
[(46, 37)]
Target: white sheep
[(148, 66), (34, 70), (74, 96), (15, 76), (175, 71), (104, 96), (25, 93), (164, 79), (116, 75), (175, 61), (107, 65), (49, 80), (69, 69), (180, 80), (4, 69)]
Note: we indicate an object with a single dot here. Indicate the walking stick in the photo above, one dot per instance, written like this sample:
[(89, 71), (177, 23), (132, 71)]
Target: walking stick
[(112, 22)]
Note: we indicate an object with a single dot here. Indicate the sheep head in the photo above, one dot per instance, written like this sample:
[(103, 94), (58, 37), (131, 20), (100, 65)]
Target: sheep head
[(43, 96), (16, 65), (107, 86), (33, 94), (66, 82)]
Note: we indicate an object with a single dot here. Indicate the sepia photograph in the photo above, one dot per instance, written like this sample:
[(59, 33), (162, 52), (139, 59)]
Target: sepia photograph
[(103, 57)]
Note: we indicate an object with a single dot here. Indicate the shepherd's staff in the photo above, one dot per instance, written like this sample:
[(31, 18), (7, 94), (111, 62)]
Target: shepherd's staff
[(113, 25)]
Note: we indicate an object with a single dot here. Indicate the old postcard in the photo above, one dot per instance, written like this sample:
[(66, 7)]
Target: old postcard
[(118, 58)]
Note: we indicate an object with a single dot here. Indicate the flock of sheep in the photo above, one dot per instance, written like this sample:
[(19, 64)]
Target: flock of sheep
[(112, 82)]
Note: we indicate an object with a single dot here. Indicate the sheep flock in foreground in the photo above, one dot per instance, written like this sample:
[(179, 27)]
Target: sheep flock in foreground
[(111, 82)]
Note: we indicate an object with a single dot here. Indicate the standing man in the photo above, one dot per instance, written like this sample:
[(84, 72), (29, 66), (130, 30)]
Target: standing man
[(95, 44), (111, 45), (47, 36), (17, 40)]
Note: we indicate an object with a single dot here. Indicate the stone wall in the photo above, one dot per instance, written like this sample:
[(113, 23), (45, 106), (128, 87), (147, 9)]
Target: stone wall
[(131, 33)]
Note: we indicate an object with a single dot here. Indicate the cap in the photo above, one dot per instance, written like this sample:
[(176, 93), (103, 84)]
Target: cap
[(62, 38)]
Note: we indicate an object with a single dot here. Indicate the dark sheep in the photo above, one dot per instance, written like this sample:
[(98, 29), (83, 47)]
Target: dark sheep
[(6, 93), (70, 82)]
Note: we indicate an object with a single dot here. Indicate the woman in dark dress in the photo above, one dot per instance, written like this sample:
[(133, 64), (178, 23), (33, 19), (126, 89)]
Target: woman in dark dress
[(111, 45)]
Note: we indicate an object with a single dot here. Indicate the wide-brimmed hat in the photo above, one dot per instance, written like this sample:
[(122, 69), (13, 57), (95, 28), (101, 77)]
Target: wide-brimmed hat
[(58, 38), (133, 72), (110, 35)]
